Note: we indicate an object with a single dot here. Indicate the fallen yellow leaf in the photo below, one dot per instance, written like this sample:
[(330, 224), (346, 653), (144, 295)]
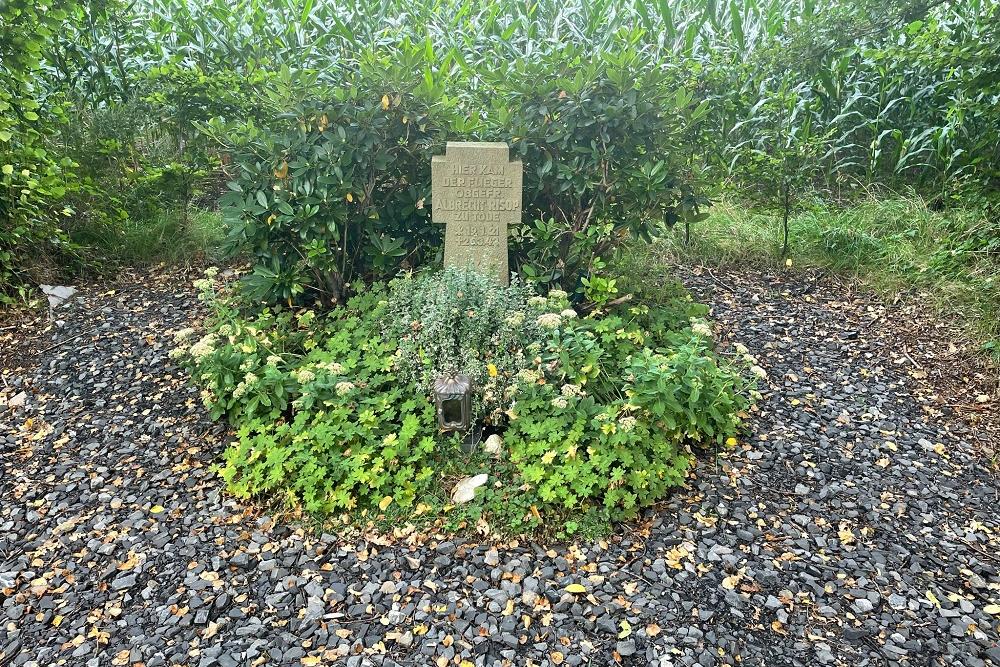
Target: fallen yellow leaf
[(576, 588)]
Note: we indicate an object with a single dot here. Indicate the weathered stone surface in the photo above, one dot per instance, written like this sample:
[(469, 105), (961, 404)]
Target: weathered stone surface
[(465, 490), (476, 193), (493, 444)]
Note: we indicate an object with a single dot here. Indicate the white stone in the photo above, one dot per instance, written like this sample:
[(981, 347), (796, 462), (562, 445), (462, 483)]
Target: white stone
[(57, 293), (493, 444), (18, 400), (465, 490)]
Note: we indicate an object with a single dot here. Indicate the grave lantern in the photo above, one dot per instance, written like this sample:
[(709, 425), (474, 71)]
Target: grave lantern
[(453, 398)]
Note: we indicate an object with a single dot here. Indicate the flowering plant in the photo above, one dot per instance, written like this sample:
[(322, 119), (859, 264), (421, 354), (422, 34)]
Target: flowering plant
[(461, 321)]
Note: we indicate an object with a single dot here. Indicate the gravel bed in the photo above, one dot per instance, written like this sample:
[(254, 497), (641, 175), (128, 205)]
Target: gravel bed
[(855, 525)]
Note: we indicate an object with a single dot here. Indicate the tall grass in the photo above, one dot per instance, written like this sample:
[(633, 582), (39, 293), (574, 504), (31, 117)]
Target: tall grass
[(165, 237)]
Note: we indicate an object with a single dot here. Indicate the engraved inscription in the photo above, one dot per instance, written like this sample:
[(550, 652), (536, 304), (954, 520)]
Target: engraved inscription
[(476, 193)]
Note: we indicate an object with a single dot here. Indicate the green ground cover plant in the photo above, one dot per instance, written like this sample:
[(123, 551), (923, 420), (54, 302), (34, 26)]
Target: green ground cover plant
[(600, 416)]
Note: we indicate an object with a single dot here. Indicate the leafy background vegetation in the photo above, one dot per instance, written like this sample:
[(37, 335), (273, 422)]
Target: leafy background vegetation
[(118, 116)]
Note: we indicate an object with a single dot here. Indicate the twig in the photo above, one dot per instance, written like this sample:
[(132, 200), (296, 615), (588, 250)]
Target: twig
[(63, 342), (907, 355), (719, 282)]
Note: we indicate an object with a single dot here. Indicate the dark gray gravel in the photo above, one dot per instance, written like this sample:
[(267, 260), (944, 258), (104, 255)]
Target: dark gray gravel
[(853, 527)]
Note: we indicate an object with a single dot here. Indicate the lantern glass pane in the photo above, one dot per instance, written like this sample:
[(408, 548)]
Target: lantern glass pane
[(451, 411)]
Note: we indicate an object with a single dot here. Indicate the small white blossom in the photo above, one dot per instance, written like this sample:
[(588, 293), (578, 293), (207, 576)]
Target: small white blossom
[(758, 371), (344, 388), (240, 390), (701, 327), (558, 294), (568, 390), (568, 314), (627, 423), (515, 319), (549, 320), (225, 330), (251, 379), (538, 301), (204, 347), (177, 353), (559, 402), (202, 284), (273, 360), (529, 375), (304, 375), (183, 335), (333, 367), (741, 348)]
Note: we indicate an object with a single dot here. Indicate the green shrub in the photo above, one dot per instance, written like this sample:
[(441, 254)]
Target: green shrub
[(577, 453), (605, 424), (602, 138), (339, 188)]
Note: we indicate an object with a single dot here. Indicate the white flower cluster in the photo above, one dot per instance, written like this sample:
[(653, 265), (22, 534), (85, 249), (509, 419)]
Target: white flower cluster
[(559, 402), (558, 294), (211, 272), (177, 353), (627, 423), (273, 360), (182, 335), (304, 375), (569, 390), (568, 314), (549, 320), (700, 327), (249, 382), (758, 371), (204, 347), (515, 319), (225, 330), (344, 388), (538, 301), (333, 367), (529, 375)]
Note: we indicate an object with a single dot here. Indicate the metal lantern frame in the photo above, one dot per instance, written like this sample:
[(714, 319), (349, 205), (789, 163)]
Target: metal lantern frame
[(448, 391)]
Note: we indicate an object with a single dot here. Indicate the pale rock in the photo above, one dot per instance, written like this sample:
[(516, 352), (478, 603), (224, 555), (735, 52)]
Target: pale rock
[(465, 490), (493, 444), (57, 294)]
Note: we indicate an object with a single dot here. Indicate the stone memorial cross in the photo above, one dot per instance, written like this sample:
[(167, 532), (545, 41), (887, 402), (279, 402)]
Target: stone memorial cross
[(476, 193)]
